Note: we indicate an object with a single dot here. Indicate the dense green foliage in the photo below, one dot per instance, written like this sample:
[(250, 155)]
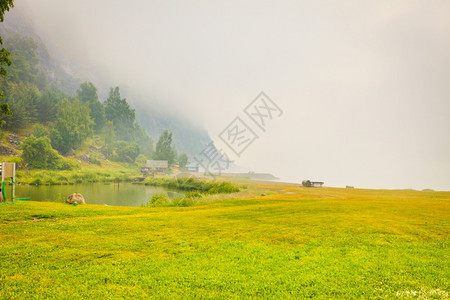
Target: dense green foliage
[(121, 117), (192, 184), (48, 104), (88, 94), (118, 111), (109, 136), (72, 125), (162, 200), (4, 111), (125, 151), (5, 60), (164, 149), (24, 82), (25, 62), (23, 99), (5, 5), (143, 140), (39, 154), (40, 130)]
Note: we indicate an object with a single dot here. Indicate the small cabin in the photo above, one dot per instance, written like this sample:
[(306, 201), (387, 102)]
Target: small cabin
[(309, 183), (155, 166)]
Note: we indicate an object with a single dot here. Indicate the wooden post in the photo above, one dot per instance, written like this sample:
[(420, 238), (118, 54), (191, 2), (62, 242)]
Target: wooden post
[(8, 170)]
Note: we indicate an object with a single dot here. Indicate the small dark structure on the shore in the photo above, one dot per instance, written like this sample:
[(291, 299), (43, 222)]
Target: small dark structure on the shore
[(308, 183)]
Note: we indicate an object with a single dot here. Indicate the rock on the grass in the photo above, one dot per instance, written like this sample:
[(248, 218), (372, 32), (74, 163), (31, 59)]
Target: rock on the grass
[(75, 198)]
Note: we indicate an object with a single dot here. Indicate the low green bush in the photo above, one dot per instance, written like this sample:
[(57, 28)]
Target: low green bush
[(36, 181), (162, 200), (39, 154), (191, 184), (40, 130), (159, 200), (193, 194)]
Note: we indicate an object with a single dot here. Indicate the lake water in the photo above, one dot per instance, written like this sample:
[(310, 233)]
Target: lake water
[(125, 194)]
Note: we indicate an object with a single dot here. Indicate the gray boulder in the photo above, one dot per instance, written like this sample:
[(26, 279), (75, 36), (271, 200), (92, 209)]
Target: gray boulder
[(75, 198)]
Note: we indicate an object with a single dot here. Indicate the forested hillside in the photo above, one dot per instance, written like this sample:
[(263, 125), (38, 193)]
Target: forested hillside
[(55, 120), (57, 113)]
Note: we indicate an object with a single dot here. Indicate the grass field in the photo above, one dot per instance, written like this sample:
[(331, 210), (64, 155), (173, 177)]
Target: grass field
[(291, 243)]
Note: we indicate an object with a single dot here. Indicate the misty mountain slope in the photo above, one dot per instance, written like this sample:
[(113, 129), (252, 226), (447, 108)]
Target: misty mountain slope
[(57, 72), (187, 138), (68, 75)]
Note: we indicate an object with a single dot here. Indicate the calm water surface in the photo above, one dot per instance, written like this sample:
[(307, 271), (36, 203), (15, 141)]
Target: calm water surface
[(95, 193)]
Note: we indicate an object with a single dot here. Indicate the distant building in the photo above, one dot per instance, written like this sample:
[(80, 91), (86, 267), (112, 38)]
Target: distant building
[(309, 183), (157, 164), (191, 168), (153, 166)]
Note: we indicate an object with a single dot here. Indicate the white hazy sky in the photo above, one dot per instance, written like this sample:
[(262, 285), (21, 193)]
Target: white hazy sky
[(364, 85)]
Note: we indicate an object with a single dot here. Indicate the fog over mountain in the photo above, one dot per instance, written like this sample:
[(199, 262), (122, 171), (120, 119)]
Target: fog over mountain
[(69, 72), (363, 86)]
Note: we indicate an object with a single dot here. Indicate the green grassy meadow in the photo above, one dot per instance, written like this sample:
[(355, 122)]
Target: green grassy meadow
[(293, 242)]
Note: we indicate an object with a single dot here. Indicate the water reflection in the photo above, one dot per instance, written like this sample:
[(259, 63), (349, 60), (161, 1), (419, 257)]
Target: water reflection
[(95, 193)]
